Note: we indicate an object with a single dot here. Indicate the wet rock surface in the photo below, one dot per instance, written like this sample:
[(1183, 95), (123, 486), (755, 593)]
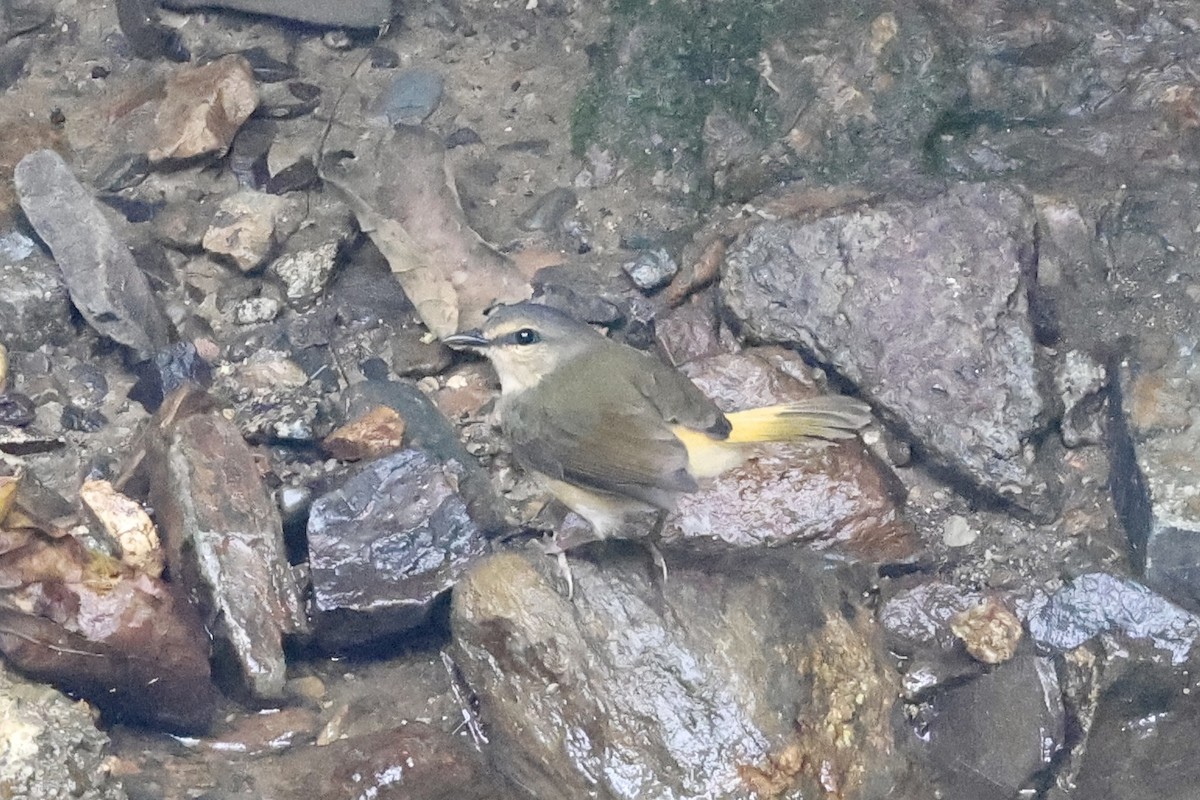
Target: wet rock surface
[(224, 533), (52, 748), (627, 690), (922, 306), (982, 219), (384, 548)]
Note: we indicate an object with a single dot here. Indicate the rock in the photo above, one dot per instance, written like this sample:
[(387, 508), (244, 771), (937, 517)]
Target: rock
[(203, 109), (248, 226), (256, 310), (1142, 741), (746, 674), (16, 410), (385, 547), (415, 762), (52, 749), (834, 496), (1097, 603), (1081, 383), (348, 14), (166, 371), (35, 308), (124, 640), (126, 524), (310, 256), (410, 98), (1156, 458), (957, 531), (549, 210), (989, 631), (690, 331), (991, 737), (273, 399), (376, 433), (224, 539), (651, 270), (102, 277), (376, 320), (921, 304), (147, 36)]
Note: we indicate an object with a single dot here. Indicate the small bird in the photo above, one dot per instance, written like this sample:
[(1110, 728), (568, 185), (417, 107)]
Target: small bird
[(613, 432)]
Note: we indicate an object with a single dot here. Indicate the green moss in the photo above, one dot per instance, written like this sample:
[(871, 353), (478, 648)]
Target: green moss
[(680, 58)]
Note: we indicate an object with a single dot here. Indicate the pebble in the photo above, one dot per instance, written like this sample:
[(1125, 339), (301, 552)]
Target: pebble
[(16, 410), (256, 309), (411, 97), (652, 269), (957, 532), (548, 212)]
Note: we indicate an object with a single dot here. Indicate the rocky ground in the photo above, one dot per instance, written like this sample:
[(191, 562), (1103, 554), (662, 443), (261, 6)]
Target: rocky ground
[(260, 537)]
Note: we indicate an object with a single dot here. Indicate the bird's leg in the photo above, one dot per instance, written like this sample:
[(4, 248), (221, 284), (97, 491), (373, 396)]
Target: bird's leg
[(573, 532), (656, 554)]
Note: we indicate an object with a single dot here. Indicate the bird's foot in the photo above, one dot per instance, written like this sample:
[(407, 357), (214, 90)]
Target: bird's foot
[(551, 546), (659, 561)]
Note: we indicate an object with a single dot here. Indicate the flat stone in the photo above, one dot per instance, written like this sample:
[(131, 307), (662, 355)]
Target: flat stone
[(921, 304), (345, 13), (103, 279), (385, 547), (1156, 461), (224, 539), (203, 109), (991, 736)]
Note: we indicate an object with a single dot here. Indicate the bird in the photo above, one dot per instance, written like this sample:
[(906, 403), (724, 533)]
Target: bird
[(614, 432)]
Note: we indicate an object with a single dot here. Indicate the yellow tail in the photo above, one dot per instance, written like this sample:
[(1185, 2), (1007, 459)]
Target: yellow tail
[(830, 417)]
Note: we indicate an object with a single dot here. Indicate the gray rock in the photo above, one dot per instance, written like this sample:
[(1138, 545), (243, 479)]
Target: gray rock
[(735, 674), (549, 210), (345, 13), (922, 305), (224, 538), (385, 547), (100, 272), (1156, 458), (1081, 383), (35, 308), (991, 737), (1098, 603), (428, 429), (410, 98), (51, 747), (652, 269), (1142, 741)]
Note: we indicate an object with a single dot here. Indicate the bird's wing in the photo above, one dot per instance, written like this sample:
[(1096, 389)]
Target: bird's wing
[(678, 400), (613, 440)]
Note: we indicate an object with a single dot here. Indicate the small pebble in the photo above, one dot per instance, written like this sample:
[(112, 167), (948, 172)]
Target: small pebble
[(256, 309), (83, 420), (16, 410), (337, 40), (957, 532), (411, 97), (548, 212), (652, 269)]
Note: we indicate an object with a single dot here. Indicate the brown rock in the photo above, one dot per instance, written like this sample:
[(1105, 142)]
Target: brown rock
[(203, 109), (822, 494), (246, 228), (225, 540), (989, 631), (376, 433)]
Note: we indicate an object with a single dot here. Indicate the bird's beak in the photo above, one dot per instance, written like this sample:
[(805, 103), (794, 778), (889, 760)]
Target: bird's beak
[(471, 338)]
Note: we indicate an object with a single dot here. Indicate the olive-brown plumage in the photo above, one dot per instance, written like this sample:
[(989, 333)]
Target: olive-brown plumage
[(611, 430)]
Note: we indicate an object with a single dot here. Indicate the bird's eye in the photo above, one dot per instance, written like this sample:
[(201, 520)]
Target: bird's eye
[(527, 336)]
